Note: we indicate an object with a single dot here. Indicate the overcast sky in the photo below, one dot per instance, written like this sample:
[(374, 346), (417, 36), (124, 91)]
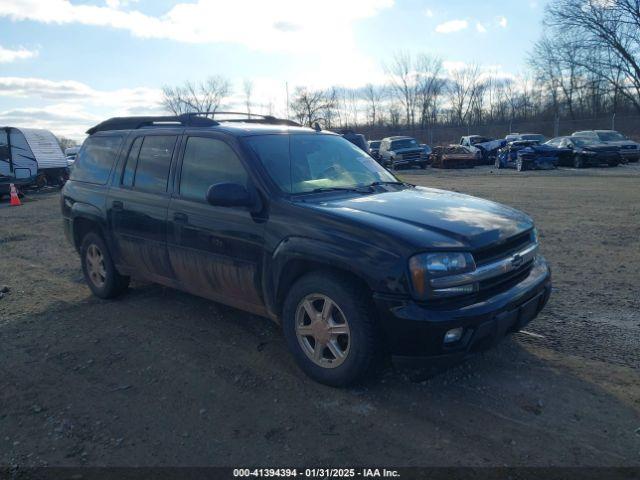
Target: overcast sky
[(66, 65)]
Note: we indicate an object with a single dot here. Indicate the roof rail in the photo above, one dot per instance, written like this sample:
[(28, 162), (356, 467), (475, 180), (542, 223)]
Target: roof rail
[(246, 118), (132, 123)]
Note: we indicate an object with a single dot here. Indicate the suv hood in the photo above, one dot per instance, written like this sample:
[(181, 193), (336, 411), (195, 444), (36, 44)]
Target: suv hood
[(408, 150), (432, 218)]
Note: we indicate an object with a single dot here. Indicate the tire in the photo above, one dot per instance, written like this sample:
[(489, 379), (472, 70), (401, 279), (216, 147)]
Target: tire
[(498, 163), (520, 165), (100, 273), (614, 164), (578, 162), (423, 165), (350, 307)]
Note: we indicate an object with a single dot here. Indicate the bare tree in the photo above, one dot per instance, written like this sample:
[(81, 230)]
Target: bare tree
[(429, 84), (463, 87), (373, 96), (402, 83), (206, 96), (308, 105)]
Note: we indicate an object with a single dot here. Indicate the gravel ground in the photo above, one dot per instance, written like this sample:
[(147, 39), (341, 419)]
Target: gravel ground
[(159, 377)]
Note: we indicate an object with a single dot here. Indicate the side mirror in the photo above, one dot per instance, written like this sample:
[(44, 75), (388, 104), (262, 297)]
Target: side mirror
[(229, 195)]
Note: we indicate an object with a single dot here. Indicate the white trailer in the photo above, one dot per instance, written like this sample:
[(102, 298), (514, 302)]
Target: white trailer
[(31, 156)]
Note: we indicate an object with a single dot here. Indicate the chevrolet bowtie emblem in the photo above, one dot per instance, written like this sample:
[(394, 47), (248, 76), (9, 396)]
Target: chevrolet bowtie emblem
[(516, 261)]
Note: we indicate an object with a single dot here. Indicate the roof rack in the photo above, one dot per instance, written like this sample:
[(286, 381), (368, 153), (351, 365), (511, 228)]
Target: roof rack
[(246, 118), (133, 123), (191, 119)]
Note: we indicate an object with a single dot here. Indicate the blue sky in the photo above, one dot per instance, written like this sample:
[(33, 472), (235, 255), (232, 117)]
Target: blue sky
[(65, 65)]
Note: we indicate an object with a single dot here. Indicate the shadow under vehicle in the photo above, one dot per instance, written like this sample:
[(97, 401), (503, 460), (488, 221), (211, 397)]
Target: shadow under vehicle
[(530, 155), (453, 156), (300, 226), (586, 152)]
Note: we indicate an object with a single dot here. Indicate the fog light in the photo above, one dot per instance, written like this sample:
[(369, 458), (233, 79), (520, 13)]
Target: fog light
[(453, 335)]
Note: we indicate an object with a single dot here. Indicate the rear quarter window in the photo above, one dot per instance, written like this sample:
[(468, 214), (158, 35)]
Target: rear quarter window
[(96, 158)]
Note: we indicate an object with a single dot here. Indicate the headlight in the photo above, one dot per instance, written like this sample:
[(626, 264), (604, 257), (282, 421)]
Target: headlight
[(430, 265)]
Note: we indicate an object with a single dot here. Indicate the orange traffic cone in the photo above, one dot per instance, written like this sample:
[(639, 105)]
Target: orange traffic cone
[(15, 201)]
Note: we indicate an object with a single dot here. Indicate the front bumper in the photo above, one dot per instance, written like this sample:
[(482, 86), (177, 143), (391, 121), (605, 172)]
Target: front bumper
[(416, 329), (630, 155)]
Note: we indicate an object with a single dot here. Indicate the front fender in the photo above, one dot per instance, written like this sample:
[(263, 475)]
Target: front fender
[(380, 269)]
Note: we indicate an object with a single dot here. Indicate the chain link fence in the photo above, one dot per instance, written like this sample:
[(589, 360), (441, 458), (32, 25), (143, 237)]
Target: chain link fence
[(445, 134)]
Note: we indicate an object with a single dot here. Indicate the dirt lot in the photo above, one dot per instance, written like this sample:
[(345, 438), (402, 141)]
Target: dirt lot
[(159, 377)]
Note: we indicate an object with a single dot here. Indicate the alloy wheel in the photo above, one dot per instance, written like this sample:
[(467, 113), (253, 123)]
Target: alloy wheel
[(95, 266), (322, 331)]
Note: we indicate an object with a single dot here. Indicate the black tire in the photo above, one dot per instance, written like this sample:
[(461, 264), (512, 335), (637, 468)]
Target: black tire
[(114, 284), (423, 165), (498, 163), (520, 165), (353, 301), (578, 162)]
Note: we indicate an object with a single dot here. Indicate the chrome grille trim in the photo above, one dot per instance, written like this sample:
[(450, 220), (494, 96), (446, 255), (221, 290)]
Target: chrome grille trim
[(505, 265)]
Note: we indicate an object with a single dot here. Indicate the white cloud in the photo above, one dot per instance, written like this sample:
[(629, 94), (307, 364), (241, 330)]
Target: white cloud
[(480, 28), (68, 107), (452, 66), (7, 55), (502, 21), (452, 26), (209, 21), (428, 13)]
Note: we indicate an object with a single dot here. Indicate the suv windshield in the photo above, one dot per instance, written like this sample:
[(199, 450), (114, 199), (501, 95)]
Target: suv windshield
[(406, 143), (302, 163), (611, 136)]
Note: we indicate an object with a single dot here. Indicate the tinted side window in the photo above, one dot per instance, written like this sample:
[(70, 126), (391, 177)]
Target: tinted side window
[(208, 161), (132, 162), (96, 158), (154, 161)]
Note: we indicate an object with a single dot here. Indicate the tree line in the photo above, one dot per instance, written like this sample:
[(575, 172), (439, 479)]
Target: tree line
[(586, 64)]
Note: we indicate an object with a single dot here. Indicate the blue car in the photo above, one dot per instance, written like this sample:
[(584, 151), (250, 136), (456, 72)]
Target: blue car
[(530, 155)]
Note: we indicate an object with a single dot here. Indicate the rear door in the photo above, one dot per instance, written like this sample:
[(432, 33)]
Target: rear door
[(216, 252), (137, 206)]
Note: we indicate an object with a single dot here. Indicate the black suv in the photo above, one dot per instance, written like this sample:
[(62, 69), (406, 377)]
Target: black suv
[(302, 227)]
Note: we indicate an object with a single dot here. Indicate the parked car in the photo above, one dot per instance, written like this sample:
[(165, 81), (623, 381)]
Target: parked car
[(486, 148), (453, 156), (302, 227), (357, 139), (586, 152), (400, 151), (426, 148), (629, 150), (536, 137), (530, 155), (374, 148)]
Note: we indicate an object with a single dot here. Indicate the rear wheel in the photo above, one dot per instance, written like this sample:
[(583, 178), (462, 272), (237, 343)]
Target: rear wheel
[(329, 329), (99, 271)]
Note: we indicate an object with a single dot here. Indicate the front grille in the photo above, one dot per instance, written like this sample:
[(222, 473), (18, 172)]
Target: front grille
[(503, 282), (503, 249), (411, 156)]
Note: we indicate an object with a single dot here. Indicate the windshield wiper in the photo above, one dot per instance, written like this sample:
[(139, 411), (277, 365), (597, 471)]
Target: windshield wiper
[(402, 184), (359, 189)]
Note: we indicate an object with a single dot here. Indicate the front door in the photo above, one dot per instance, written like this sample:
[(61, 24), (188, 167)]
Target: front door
[(137, 207), (215, 252)]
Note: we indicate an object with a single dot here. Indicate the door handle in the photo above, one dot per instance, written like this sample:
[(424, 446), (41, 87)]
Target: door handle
[(117, 205), (180, 217)]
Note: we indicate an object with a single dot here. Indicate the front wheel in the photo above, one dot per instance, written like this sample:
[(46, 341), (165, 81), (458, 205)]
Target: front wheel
[(498, 163), (329, 329), (99, 271)]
